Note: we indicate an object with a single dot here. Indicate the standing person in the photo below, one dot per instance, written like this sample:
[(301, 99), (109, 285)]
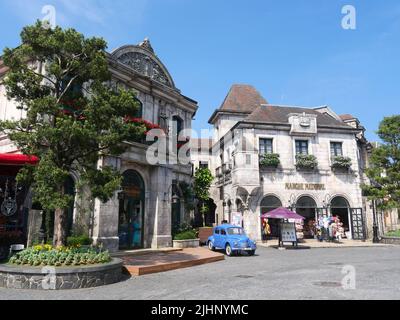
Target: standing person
[(267, 229)]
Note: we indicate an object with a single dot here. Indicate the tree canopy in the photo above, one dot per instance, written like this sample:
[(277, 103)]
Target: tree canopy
[(71, 115), (384, 168)]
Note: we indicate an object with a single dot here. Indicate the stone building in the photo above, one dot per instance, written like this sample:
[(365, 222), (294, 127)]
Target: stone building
[(150, 201), (251, 134)]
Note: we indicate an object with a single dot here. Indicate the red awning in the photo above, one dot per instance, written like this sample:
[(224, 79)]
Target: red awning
[(14, 159)]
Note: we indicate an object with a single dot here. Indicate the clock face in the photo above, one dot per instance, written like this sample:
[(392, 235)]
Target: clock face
[(8, 207)]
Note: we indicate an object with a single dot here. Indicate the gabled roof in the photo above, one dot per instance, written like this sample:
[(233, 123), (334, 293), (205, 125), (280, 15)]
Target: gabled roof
[(242, 98), (280, 115)]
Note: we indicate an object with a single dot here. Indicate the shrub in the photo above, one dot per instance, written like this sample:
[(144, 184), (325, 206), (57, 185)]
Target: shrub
[(186, 235), (46, 255), (306, 161), (270, 160), (341, 162), (81, 240)]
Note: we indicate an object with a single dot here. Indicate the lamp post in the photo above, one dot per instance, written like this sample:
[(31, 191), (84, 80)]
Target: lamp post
[(375, 238), (224, 205)]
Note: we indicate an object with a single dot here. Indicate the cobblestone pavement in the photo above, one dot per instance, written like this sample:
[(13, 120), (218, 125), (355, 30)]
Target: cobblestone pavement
[(271, 274)]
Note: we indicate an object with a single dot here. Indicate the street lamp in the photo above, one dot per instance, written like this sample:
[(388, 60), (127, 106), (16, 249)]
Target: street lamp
[(375, 238)]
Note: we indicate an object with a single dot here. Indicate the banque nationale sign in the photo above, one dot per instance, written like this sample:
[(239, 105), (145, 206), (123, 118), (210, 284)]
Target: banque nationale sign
[(304, 186)]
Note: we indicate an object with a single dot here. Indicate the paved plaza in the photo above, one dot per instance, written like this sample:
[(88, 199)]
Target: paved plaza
[(315, 273)]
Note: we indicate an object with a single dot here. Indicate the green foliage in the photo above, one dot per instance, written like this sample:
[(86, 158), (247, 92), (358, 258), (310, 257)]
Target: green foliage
[(186, 235), (270, 160), (202, 183), (306, 161), (188, 194), (76, 241), (72, 116), (46, 255), (341, 162), (393, 234), (384, 170)]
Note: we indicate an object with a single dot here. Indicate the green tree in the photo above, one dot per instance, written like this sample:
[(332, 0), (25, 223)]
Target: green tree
[(202, 183), (384, 169), (72, 116)]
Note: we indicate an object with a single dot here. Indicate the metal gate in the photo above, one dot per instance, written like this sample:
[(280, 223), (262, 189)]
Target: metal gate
[(357, 224)]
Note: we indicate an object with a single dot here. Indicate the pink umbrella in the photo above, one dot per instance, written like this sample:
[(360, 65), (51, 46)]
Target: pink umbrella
[(282, 213)]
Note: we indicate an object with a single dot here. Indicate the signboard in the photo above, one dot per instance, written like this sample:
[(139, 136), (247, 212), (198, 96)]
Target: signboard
[(288, 232), (305, 186), (236, 219)]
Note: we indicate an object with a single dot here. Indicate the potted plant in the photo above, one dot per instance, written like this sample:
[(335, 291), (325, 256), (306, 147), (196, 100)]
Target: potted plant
[(306, 162), (270, 160)]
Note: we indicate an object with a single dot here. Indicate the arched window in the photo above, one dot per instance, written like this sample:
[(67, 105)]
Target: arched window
[(270, 203), (306, 202), (139, 111), (339, 202)]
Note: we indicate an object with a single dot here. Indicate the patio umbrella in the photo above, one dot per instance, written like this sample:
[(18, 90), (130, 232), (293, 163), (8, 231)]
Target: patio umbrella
[(282, 213)]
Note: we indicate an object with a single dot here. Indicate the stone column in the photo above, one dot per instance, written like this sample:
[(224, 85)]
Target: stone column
[(160, 207), (105, 228)]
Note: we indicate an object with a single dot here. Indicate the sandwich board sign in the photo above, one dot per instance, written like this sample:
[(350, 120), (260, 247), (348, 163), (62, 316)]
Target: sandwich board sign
[(288, 233)]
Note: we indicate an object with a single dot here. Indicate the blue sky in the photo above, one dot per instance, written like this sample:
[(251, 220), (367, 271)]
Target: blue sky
[(293, 52)]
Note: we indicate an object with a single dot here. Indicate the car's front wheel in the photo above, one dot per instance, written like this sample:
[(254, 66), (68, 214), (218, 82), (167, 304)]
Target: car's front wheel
[(228, 250), (211, 246)]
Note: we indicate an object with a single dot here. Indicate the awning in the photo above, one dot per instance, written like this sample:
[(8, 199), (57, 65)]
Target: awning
[(282, 213), (15, 159)]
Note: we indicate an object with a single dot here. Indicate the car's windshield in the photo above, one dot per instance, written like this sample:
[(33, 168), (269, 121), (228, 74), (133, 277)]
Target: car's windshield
[(234, 231)]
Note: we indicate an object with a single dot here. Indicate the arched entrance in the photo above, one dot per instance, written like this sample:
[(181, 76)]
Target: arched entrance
[(340, 208), (131, 211), (307, 207), (268, 204)]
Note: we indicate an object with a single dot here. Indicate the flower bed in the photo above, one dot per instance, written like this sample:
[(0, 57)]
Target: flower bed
[(46, 255)]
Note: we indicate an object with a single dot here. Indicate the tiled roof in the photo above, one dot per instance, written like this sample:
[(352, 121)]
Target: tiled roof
[(345, 117), (280, 114), (242, 98)]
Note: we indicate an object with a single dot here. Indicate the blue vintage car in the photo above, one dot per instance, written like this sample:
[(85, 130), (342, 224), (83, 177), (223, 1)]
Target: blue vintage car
[(232, 239)]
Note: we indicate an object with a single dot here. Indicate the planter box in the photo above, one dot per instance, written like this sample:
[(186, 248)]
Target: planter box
[(204, 233), (190, 243)]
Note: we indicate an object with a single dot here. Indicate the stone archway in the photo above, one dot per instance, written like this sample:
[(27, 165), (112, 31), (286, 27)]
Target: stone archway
[(307, 207), (340, 208), (269, 203), (131, 211)]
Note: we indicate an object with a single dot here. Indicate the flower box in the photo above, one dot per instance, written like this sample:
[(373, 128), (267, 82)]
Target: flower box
[(270, 160), (306, 162)]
